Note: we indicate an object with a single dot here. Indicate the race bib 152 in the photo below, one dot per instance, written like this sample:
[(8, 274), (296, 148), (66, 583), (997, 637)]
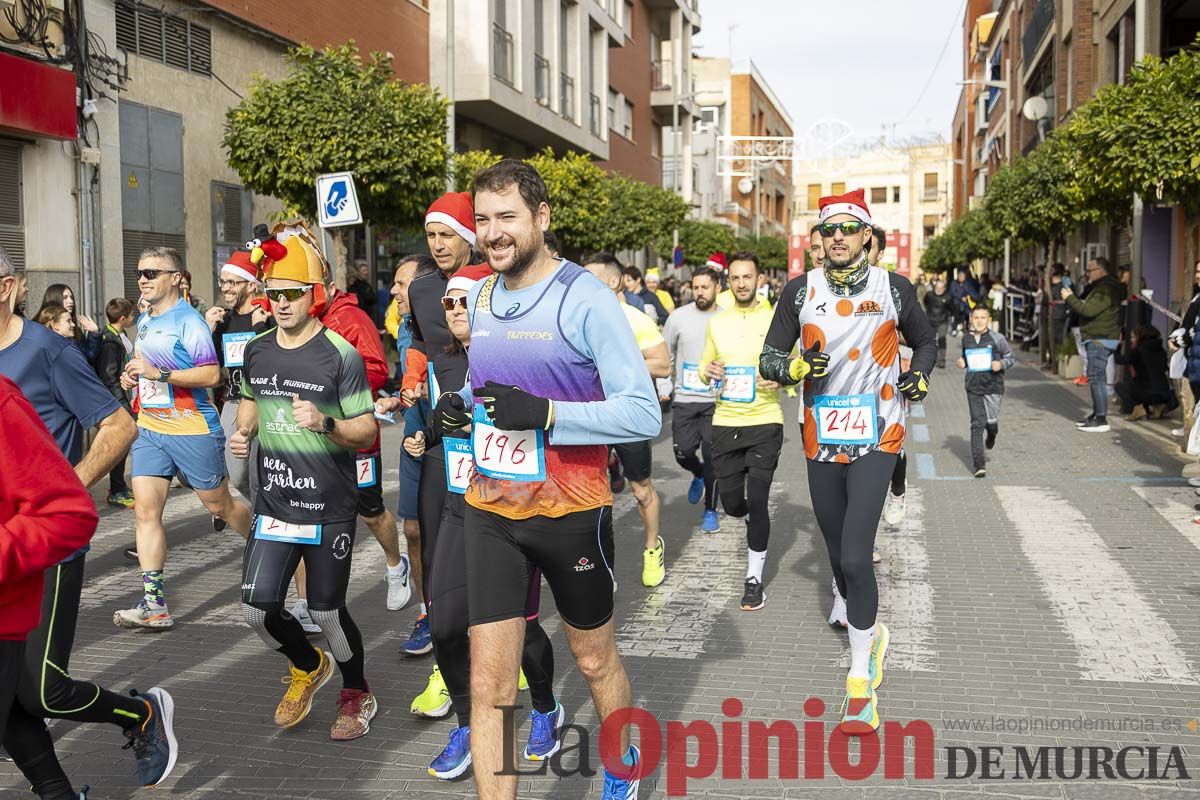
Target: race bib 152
[(741, 384)]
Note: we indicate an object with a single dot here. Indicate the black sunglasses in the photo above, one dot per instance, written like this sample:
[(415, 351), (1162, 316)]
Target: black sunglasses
[(850, 227), (291, 293), (449, 303), (151, 274)]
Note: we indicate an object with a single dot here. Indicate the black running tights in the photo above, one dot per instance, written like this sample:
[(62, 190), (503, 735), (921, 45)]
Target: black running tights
[(900, 474), (847, 500), (448, 621), (46, 688), (747, 494)]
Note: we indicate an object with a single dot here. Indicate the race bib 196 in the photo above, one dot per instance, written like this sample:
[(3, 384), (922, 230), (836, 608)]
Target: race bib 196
[(691, 379), (979, 359), (154, 394), (846, 419), (279, 531), (364, 470), (459, 464), (506, 455), (741, 384), (234, 347)]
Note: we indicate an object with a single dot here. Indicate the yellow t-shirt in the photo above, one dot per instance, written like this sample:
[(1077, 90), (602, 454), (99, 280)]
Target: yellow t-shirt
[(726, 300), (665, 299), (645, 331), (735, 336)]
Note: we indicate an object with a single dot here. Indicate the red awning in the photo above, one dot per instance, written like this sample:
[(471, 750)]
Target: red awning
[(36, 98)]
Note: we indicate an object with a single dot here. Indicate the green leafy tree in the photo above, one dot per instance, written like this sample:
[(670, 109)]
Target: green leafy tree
[(772, 251), (699, 239), (638, 214), (467, 164), (337, 112), (578, 203), (1142, 136)]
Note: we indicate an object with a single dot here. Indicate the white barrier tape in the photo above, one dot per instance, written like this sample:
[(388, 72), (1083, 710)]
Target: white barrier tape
[(1168, 313)]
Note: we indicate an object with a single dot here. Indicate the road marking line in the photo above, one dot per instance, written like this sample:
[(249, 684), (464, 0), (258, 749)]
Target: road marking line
[(920, 433), (916, 410), (1178, 515), (1117, 634)]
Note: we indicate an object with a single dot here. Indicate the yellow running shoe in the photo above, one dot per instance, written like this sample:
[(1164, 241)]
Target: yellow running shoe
[(434, 702), (878, 653), (522, 683), (302, 687), (860, 716), (654, 565)]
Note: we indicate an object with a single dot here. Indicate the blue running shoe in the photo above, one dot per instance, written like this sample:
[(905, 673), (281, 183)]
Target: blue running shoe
[(696, 490), (618, 789), (419, 641), (456, 758), (543, 734), (153, 742), (709, 523)]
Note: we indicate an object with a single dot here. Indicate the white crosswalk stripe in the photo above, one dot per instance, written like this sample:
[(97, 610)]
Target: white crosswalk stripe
[(1165, 501), (1117, 633)]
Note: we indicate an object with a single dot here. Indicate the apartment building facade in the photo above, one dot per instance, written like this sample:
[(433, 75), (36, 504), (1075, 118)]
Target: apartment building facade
[(909, 188), (146, 167), (734, 100), (1028, 65)]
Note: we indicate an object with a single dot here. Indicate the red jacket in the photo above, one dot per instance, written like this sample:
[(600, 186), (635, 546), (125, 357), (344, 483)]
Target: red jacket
[(45, 513), (346, 319)]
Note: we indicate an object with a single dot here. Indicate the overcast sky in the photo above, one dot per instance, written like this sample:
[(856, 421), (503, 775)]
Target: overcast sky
[(803, 48)]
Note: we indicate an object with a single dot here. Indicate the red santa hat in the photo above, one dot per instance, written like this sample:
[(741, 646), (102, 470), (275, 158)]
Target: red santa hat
[(455, 210), (717, 261), (240, 266), (852, 203)]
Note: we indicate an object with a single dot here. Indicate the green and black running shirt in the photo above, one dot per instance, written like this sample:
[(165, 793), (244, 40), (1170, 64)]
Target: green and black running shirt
[(303, 477)]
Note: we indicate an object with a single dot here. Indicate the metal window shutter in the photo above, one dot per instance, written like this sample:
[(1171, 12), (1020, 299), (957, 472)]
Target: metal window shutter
[(176, 42), (200, 49), (150, 33), (12, 229), (126, 28)]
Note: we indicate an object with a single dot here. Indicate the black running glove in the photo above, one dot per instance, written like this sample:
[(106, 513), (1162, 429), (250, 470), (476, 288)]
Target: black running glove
[(913, 385), (450, 413), (513, 409)]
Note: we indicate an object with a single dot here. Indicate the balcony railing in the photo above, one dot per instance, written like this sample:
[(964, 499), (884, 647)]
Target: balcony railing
[(566, 95), (929, 195), (503, 66), (541, 79), (594, 116), (660, 75), (1040, 21)]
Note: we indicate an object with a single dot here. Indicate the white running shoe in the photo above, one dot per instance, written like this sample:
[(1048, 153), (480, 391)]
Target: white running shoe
[(894, 508), (837, 617), (300, 612), (398, 590)]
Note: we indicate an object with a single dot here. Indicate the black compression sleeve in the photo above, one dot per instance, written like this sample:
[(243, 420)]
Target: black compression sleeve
[(914, 325), (783, 333)]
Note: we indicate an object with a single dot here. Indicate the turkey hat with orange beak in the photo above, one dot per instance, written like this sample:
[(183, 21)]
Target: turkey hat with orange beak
[(301, 264)]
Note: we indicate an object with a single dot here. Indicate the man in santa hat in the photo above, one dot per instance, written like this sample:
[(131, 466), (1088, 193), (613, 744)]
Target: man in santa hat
[(233, 325), (846, 316), (450, 234)]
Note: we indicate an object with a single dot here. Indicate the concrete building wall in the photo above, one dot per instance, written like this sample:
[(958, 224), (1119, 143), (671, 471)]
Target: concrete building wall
[(629, 71), (238, 55)]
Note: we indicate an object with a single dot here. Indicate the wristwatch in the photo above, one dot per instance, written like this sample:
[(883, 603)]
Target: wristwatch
[(163, 375), (328, 425)]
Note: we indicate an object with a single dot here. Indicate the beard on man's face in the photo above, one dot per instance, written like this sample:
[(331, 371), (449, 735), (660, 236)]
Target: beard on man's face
[(524, 255)]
